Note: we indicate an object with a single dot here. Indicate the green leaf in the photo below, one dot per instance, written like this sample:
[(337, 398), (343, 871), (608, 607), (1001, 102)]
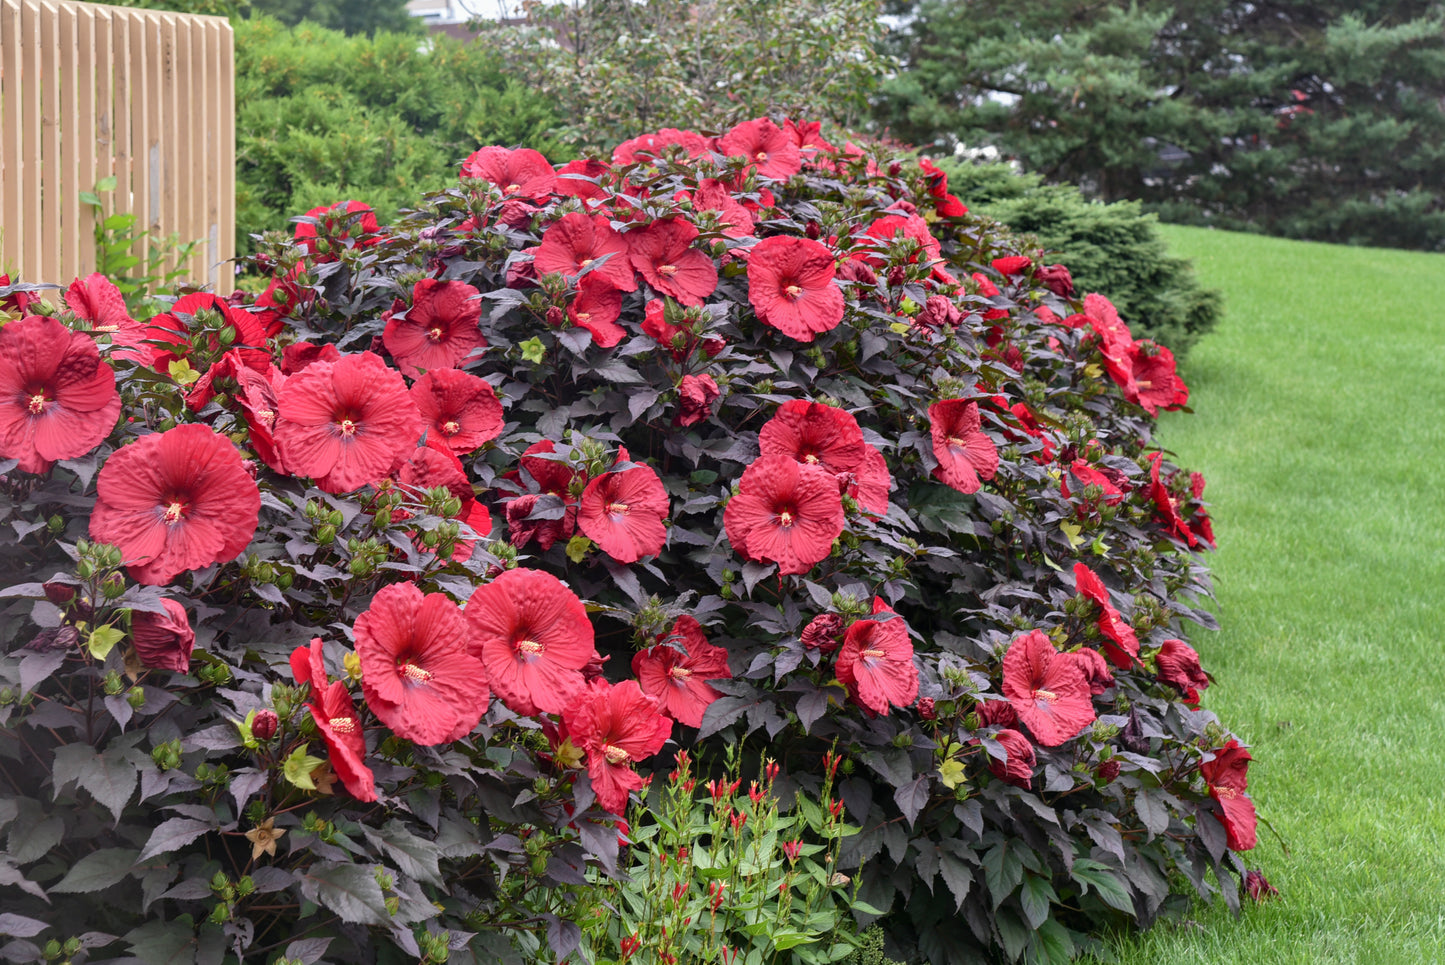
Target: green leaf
[(106, 183), (173, 834), (164, 942), (102, 640), (109, 777), (1054, 942), (298, 767), (97, 870), (90, 198), (533, 350), (957, 875), (1036, 896), (784, 940), (119, 222), (348, 889), (182, 373), (577, 548), (1105, 882), (414, 856), (1002, 871)]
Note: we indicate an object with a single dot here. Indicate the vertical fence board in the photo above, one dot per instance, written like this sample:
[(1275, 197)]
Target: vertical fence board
[(12, 226), (51, 196), (89, 92), (88, 139), (71, 138)]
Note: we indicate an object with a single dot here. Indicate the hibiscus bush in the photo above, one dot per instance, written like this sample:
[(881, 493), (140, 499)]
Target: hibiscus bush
[(345, 621)]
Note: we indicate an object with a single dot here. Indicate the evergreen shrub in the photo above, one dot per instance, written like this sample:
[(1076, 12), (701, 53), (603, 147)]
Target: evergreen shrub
[(345, 623)]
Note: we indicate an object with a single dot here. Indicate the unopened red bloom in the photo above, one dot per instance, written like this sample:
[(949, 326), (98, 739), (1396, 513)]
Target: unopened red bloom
[(345, 423), (695, 396), (947, 205), (575, 242), (519, 173), (823, 632), (623, 512), (58, 400), (335, 715), (1050, 694), (458, 408), (533, 637), (966, 456), (791, 286), (1018, 769), (888, 229), (439, 330), (1094, 668), (875, 661), (1056, 278), (938, 312), (766, 146), (1227, 777), (1121, 644), (282, 299), (617, 725), (996, 713), (785, 512), (163, 641), (1257, 886), (1156, 383), (1179, 667), (1199, 523), (1012, 264), (175, 501), (596, 307), (680, 680), (1167, 504), (664, 254), (418, 677)]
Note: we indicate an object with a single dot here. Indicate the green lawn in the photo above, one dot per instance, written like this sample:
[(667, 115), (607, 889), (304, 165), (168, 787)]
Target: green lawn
[(1320, 425)]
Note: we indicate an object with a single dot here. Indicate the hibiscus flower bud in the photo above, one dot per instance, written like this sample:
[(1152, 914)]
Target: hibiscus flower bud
[(263, 727), (56, 638), (823, 632), (1056, 278), (897, 275), (1257, 886), (59, 593), (1107, 771), (926, 709), (812, 229), (695, 396), (163, 641)]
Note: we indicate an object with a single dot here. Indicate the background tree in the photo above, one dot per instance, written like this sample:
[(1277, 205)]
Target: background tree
[(1311, 120)]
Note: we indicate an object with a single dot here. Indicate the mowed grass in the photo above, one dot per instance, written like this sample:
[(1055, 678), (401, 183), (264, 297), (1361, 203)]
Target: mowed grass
[(1320, 424)]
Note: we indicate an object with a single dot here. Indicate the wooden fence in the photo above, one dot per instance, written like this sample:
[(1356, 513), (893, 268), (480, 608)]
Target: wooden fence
[(90, 92)]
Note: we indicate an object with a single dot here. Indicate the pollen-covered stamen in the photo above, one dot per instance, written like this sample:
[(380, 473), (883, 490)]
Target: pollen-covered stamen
[(346, 427), (614, 754), (668, 270), (36, 404), (585, 262), (413, 673), (793, 291), (680, 673), (584, 316), (1047, 695), (267, 417), (761, 157), (957, 443), (617, 509), (1228, 793), (343, 725), (871, 654), (811, 458), (435, 334), (529, 647), (174, 513), (511, 188), (1144, 384), (451, 428), (785, 518)]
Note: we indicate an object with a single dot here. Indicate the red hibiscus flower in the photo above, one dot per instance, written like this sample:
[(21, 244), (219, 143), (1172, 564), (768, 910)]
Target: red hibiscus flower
[(823, 633), (175, 501), (1199, 522), (582, 179), (1166, 503), (886, 230), (1121, 645), (966, 456), (808, 136), (256, 395), (439, 330), (1056, 278), (1179, 667), (336, 224), (1050, 694), (947, 205), (533, 638), (713, 195), (575, 242), (16, 302), (99, 302), (1094, 668), (418, 677), (177, 327), (767, 147), (163, 641), (334, 712), (648, 147), (996, 713), (57, 398), (816, 434), (1227, 777), (1018, 768), (785, 512), (1087, 475), (596, 307), (870, 483), (875, 661), (282, 299), (461, 409), (615, 725), (1012, 264), (679, 679), (520, 173), (1156, 384), (529, 516), (623, 511), (346, 423), (695, 396), (298, 355), (791, 286), (663, 253)]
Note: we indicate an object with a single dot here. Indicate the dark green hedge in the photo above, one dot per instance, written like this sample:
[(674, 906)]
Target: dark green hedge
[(1110, 248)]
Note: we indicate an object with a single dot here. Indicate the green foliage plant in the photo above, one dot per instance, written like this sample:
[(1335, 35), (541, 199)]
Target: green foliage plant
[(139, 279)]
